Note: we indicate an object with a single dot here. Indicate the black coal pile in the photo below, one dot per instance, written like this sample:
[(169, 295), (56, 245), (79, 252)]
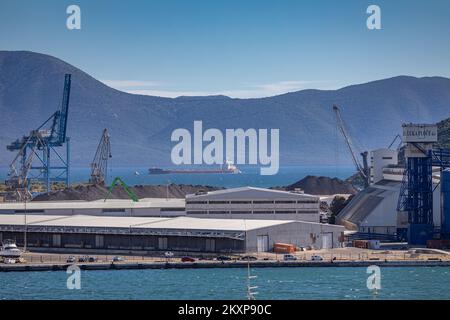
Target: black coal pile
[(97, 192), (322, 186)]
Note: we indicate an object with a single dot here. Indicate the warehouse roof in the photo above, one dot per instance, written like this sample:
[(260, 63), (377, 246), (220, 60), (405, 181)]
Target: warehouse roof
[(365, 202), (97, 204), (250, 193), (183, 223)]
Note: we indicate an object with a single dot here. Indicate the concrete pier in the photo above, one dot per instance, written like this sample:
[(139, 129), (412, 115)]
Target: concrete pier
[(215, 264)]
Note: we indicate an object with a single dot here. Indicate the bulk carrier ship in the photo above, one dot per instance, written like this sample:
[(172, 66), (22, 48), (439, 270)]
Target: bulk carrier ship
[(225, 168)]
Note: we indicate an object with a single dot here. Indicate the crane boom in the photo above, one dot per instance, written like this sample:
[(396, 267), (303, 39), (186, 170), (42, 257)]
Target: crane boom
[(59, 127), (397, 137), (18, 176), (363, 169), (99, 166)]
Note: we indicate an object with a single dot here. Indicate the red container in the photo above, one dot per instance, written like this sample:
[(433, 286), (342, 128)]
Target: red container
[(283, 248)]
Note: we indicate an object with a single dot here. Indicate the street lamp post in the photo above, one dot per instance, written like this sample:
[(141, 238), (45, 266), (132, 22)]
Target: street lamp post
[(25, 221)]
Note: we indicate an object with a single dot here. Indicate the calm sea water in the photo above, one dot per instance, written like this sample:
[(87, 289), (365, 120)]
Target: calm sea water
[(250, 176), (274, 283)]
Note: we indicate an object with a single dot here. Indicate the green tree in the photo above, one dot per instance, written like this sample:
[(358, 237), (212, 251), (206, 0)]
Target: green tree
[(336, 206)]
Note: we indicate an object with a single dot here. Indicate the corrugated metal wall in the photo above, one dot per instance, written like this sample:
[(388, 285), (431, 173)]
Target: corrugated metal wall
[(126, 242), (445, 183)]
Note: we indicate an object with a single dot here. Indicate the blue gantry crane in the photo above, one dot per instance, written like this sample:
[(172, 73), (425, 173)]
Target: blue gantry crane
[(39, 158)]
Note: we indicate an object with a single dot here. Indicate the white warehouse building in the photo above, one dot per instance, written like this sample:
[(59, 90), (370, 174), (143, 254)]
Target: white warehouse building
[(148, 207), (178, 234), (254, 203)]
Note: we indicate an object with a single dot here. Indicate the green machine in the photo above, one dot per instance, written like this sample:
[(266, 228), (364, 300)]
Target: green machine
[(118, 180)]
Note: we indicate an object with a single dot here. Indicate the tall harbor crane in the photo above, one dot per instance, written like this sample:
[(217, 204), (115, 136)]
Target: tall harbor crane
[(35, 152), (99, 166), (363, 168)]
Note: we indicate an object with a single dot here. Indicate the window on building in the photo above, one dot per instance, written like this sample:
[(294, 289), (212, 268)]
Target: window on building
[(241, 212), (219, 202), (262, 212), (29, 211), (285, 201), (285, 211), (263, 202), (307, 201), (197, 212), (171, 209), (196, 202), (241, 202), (218, 212), (113, 210)]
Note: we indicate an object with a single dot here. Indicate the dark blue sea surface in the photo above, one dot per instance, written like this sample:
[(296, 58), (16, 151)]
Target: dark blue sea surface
[(250, 176), (274, 283)]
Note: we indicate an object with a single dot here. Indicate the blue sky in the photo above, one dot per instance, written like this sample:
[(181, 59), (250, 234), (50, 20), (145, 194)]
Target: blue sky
[(244, 48)]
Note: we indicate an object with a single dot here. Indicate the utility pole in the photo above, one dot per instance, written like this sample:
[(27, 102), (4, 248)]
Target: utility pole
[(25, 197), (25, 229), (167, 190)]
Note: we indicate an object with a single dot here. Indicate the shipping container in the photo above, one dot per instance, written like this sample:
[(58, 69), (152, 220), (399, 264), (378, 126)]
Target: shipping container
[(363, 244), (284, 248)]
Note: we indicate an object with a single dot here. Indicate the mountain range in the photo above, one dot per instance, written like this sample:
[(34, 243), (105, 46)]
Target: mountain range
[(141, 126)]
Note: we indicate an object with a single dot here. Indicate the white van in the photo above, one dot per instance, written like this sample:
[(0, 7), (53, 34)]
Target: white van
[(289, 257)]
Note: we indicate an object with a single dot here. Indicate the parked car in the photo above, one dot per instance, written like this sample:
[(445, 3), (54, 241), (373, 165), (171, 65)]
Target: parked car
[(248, 258), (187, 259), (83, 259), (316, 258), (9, 260), (92, 259), (289, 257), (168, 254), (117, 259), (223, 258), (71, 259)]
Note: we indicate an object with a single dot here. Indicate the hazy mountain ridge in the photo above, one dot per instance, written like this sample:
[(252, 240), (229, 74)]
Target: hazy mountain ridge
[(140, 126), (444, 134)]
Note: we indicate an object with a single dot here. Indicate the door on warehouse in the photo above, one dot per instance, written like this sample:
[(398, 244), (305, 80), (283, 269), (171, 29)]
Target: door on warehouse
[(56, 241), (162, 243), (262, 243), (210, 245), (327, 240)]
